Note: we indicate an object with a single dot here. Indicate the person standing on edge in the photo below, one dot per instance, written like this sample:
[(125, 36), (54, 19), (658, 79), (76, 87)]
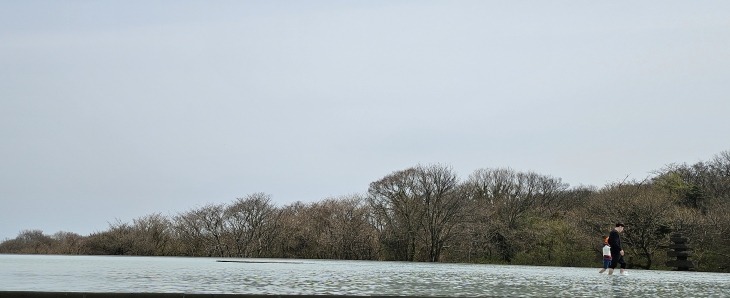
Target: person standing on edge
[(617, 253)]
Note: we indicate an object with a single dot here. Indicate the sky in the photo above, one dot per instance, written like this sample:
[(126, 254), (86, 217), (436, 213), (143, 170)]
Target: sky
[(112, 110)]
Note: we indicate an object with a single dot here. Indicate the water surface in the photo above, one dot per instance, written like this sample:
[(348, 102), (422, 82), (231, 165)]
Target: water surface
[(320, 277)]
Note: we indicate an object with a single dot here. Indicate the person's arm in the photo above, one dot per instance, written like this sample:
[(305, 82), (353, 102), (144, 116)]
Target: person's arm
[(619, 244)]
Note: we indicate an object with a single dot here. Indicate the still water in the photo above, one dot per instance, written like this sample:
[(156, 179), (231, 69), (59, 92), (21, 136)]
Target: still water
[(313, 277)]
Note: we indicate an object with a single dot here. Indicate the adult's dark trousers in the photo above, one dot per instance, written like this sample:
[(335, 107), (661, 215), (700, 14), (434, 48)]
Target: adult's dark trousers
[(616, 259)]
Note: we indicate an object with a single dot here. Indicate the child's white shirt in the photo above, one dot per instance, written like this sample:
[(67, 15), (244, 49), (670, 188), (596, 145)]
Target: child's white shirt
[(606, 250)]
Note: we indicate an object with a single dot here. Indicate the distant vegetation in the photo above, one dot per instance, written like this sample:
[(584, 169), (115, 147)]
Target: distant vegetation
[(426, 213)]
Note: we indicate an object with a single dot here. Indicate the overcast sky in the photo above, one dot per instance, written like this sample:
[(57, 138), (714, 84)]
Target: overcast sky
[(119, 109)]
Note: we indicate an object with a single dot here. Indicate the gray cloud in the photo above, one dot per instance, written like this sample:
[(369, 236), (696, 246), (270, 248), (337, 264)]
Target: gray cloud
[(116, 110)]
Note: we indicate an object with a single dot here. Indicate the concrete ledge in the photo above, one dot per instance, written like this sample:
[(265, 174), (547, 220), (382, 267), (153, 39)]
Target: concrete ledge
[(32, 294)]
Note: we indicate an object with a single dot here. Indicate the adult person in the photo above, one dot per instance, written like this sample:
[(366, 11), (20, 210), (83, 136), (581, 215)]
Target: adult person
[(617, 252)]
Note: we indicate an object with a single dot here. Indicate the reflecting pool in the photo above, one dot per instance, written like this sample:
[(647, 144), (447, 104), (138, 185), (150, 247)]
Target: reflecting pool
[(334, 277)]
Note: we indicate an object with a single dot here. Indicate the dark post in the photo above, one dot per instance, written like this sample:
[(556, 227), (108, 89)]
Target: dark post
[(681, 251)]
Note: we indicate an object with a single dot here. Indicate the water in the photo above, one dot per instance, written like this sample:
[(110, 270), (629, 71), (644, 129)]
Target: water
[(319, 277)]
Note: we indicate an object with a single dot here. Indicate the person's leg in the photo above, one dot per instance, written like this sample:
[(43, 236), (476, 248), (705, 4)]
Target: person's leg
[(606, 264), (610, 270), (614, 262), (623, 265)]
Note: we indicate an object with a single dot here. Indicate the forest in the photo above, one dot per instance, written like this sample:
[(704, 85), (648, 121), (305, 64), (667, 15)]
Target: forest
[(427, 213)]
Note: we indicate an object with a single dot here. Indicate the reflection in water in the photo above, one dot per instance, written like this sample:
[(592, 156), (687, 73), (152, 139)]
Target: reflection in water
[(271, 276)]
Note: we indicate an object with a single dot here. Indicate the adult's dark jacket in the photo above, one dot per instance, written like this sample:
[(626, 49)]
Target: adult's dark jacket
[(614, 240)]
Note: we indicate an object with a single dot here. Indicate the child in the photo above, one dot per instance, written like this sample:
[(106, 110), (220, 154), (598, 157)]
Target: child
[(606, 256)]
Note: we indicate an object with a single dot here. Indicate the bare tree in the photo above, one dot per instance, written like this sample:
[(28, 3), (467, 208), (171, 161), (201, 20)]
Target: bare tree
[(251, 221), (341, 228), (117, 240), (417, 207), (213, 222), (68, 243), (444, 202), (504, 199), (398, 213), (297, 232), (188, 233), (356, 235), (152, 235), (28, 242)]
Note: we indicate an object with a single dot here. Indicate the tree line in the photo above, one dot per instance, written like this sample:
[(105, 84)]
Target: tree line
[(427, 213)]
